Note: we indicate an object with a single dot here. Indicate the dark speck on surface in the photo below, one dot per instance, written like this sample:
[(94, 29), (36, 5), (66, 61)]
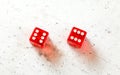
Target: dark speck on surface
[(28, 47), (9, 37), (72, 64), (92, 26), (40, 54), (19, 28), (12, 59), (108, 31), (59, 42), (46, 5), (0, 63), (90, 53), (61, 65), (14, 35), (94, 69), (108, 73), (8, 46), (83, 52), (93, 44), (93, 9), (20, 63), (56, 22), (65, 29), (42, 64), (95, 35)]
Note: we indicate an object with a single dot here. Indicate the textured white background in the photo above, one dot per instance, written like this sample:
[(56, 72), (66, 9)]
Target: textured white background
[(100, 18)]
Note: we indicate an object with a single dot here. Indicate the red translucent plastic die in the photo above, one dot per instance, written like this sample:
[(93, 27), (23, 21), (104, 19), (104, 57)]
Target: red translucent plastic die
[(38, 37), (76, 37)]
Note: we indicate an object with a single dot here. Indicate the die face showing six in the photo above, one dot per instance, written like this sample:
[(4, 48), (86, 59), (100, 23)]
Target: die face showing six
[(39, 37), (76, 37)]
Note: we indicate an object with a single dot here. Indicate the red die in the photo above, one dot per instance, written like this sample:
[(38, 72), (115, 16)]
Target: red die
[(38, 37), (76, 37)]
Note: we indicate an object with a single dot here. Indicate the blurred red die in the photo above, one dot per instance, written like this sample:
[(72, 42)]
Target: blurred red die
[(38, 37), (76, 37)]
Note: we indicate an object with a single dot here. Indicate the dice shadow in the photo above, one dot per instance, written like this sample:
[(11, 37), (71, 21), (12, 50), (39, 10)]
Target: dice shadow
[(88, 52), (50, 52)]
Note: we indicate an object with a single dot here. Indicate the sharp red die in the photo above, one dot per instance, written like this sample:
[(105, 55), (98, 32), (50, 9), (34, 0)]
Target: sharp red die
[(76, 37), (39, 37)]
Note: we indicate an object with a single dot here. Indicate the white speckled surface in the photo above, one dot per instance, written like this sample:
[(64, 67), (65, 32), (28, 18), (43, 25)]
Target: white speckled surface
[(100, 18)]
